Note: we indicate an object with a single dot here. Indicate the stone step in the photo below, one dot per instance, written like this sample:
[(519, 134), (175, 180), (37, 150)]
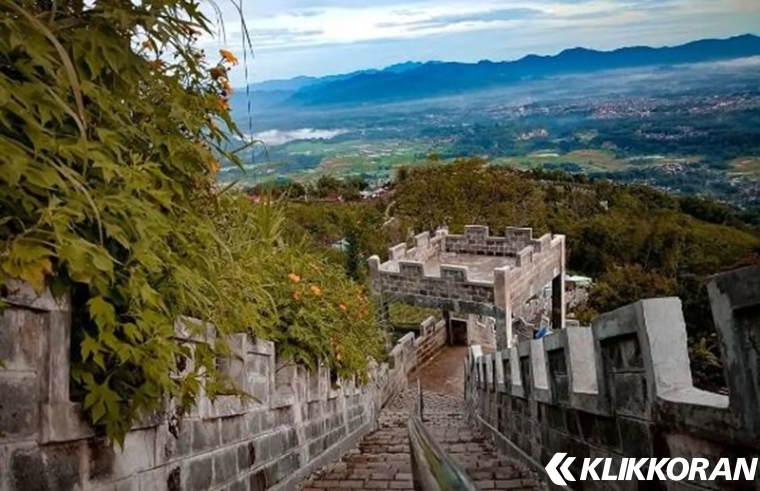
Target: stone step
[(382, 461)]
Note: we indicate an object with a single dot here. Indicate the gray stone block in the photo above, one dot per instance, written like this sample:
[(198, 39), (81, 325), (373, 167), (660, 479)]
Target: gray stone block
[(101, 456), (254, 423), (200, 474), (259, 481), (636, 437), (225, 466), (246, 456), (240, 485), (21, 339), (233, 429), (630, 395), (19, 405), (205, 435), (54, 468)]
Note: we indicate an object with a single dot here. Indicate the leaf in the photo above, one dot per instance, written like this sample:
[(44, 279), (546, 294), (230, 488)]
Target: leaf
[(102, 312), (88, 347), (68, 65), (75, 256)]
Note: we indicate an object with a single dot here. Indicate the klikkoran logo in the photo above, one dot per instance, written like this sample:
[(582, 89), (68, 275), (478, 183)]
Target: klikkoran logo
[(651, 469)]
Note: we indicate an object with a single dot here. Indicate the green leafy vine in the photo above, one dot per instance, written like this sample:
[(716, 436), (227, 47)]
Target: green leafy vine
[(109, 116)]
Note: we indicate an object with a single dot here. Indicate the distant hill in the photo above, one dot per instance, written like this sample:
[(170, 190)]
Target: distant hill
[(272, 93), (408, 81)]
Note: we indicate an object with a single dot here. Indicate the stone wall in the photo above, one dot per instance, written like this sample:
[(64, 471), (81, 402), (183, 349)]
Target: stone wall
[(452, 290), (477, 240), (536, 266), (420, 276), (623, 388), (294, 423), (432, 338), (425, 247)]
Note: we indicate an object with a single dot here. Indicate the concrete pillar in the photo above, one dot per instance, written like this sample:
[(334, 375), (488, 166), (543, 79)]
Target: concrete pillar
[(503, 328), (735, 303), (503, 310)]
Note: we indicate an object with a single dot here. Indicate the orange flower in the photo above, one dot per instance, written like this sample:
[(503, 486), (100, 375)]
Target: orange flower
[(342, 307), (224, 104), (297, 295), (316, 290), (214, 165), (228, 56), (294, 278)]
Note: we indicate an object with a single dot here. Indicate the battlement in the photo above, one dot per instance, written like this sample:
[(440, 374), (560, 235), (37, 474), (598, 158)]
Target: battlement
[(425, 247), (473, 273), (623, 386), (477, 240), (294, 422)]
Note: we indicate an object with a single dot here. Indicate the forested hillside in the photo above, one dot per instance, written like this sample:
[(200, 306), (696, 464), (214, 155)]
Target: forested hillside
[(635, 241)]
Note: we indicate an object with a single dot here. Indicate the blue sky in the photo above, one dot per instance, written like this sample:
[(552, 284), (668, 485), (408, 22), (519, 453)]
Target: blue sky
[(321, 37)]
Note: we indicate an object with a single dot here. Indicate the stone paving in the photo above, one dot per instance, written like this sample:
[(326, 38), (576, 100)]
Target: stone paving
[(381, 460)]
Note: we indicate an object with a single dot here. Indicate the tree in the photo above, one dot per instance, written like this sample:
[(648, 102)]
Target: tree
[(628, 284), (353, 254)]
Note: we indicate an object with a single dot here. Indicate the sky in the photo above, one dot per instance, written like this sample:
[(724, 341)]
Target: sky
[(323, 37)]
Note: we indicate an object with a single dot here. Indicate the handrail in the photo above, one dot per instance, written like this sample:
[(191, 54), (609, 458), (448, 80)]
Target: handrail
[(432, 468)]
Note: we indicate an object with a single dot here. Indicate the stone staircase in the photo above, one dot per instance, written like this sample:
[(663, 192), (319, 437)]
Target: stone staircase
[(382, 459)]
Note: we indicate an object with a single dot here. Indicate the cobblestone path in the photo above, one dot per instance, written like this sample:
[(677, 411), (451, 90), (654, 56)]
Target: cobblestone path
[(381, 460)]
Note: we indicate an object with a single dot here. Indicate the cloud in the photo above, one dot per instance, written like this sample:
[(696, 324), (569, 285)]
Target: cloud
[(503, 14), (316, 37)]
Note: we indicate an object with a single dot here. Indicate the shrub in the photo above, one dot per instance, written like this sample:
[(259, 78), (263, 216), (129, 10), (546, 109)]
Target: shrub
[(109, 119)]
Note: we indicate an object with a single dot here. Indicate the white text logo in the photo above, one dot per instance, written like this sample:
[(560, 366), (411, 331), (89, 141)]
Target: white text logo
[(675, 469)]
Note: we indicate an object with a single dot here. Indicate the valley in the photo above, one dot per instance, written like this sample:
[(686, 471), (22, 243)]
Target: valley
[(686, 129)]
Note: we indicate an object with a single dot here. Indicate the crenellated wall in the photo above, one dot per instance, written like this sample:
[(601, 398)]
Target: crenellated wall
[(477, 240), (294, 423), (452, 287), (474, 273), (432, 338), (425, 248), (536, 265), (623, 388)]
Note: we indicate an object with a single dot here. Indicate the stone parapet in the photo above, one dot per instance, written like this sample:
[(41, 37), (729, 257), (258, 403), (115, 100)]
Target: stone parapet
[(623, 387), (477, 240), (294, 422)]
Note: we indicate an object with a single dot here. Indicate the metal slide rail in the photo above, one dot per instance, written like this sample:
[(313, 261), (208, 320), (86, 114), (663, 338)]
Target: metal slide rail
[(432, 468)]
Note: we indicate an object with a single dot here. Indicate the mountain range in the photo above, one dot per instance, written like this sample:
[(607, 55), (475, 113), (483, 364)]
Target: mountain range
[(414, 80)]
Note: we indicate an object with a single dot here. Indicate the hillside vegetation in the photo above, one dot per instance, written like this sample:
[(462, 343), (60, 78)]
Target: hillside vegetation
[(113, 123), (636, 241)]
